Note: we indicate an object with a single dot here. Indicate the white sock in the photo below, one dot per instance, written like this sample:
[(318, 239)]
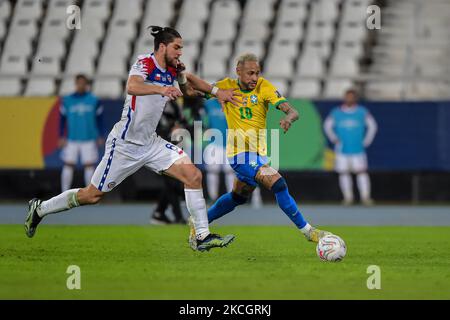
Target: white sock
[(306, 228), (64, 201), (66, 178), (256, 198), (229, 180), (212, 181), (363, 182), (88, 173), (346, 184), (196, 206)]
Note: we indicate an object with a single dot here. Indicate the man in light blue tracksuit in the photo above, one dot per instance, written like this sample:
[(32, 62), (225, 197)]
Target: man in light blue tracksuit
[(80, 129), (351, 128)]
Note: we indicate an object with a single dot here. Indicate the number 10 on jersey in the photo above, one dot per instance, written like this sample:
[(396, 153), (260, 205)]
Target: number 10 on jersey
[(246, 112)]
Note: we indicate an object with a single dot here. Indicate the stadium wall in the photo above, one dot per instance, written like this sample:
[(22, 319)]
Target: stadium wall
[(409, 159)]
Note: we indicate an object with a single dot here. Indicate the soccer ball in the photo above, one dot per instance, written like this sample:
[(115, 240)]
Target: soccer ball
[(331, 248)]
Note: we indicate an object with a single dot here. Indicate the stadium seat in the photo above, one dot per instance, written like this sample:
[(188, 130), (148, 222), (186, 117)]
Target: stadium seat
[(111, 65), (51, 47), (318, 48), (91, 28), (40, 87), (225, 10), (344, 66), (221, 29), (28, 9), (249, 46), (192, 30), (311, 40), (276, 66), (284, 49), (305, 89), (195, 10), (292, 10), (288, 30), (254, 30), (17, 46), (320, 31), (310, 65), (122, 29), (385, 90), (420, 90), (325, 11), (258, 10), (354, 11), (349, 49), (335, 89), (13, 65), (157, 13), (5, 10), (78, 63), (352, 32), (213, 68), (55, 29), (216, 50), (127, 10), (214, 58), (46, 66), (23, 28), (10, 86), (111, 88), (95, 10), (57, 9)]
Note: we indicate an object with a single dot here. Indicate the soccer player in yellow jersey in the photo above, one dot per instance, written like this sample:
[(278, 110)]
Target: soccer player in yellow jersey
[(246, 142)]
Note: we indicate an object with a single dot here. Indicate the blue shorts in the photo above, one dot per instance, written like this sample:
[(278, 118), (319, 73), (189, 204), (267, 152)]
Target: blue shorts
[(246, 166)]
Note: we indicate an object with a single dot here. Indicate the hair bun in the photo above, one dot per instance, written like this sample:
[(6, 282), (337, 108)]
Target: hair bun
[(155, 30)]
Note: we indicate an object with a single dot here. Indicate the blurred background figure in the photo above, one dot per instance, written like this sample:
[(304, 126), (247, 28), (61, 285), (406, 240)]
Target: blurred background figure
[(351, 128), (80, 128), (215, 159), (172, 192), (215, 155)]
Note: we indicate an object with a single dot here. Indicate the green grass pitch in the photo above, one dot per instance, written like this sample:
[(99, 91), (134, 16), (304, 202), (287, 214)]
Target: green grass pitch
[(264, 262)]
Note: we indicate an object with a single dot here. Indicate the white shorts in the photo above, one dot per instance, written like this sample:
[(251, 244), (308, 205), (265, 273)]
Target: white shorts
[(351, 163), (88, 151), (215, 158), (123, 158)]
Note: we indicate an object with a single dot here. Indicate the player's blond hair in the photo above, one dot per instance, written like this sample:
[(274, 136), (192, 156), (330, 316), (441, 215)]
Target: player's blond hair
[(243, 58)]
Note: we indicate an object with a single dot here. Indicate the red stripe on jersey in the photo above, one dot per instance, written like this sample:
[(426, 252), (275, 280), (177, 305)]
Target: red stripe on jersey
[(172, 71), (148, 65), (133, 103)]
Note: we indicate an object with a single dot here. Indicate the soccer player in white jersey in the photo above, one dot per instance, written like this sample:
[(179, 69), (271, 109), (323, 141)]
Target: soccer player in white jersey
[(133, 143), (351, 128)]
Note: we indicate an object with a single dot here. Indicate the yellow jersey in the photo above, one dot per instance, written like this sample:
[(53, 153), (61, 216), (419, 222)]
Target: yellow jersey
[(247, 123)]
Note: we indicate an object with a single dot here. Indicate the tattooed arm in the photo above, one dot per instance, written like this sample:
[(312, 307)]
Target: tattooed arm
[(291, 116)]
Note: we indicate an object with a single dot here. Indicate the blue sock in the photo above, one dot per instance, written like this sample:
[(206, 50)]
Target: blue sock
[(287, 203), (226, 203)]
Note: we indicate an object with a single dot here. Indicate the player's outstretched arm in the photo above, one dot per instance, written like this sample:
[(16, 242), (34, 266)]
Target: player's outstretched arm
[(291, 116), (137, 87), (223, 95)]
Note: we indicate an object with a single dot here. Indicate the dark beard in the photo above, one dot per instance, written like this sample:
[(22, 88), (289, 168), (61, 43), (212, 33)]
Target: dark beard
[(169, 63)]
